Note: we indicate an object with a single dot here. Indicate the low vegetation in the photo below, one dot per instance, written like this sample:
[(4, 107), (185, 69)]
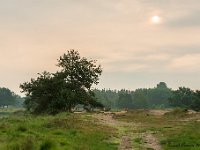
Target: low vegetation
[(177, 129), (63, 131), (49, 124)]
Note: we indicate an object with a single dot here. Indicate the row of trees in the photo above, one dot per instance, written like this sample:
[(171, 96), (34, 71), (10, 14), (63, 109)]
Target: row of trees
[(140, 98), (159, 97), (186, 98)]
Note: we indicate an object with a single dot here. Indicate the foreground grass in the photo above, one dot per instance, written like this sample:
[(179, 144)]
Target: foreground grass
[(176, 130), (60, 132)]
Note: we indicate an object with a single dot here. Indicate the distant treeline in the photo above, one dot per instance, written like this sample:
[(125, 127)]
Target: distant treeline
[(158, 97), (9, 98)]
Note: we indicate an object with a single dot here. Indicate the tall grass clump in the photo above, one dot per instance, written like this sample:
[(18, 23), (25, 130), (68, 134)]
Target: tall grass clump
[(22, 128), (28, 144), (47, 145)]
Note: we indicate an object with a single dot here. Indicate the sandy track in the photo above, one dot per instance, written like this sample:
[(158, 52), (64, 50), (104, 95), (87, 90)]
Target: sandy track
[(107, 119), (126, 137), (151, 141)]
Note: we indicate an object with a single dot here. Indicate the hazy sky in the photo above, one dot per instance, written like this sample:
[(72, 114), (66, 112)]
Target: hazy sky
[(133, 51)]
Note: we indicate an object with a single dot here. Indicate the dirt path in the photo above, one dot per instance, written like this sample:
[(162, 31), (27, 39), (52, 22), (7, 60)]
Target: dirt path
[(159, 112), (126, 133), (125, 143), (151, 141), (125, 140)]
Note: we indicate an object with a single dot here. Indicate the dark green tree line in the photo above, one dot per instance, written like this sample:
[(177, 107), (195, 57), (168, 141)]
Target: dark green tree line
[(185, 98), (140, 98), (158, 97)]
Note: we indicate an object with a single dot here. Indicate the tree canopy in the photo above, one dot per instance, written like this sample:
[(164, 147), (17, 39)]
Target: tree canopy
[(186, 98), (63, 90), (6, 97), (156, 97)]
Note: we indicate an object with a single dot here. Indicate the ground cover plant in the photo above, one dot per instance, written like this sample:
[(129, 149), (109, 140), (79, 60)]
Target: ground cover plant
[(175, 130), (63, 131)]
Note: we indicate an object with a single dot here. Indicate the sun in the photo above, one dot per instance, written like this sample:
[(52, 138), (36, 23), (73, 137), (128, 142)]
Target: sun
[(155, 19)]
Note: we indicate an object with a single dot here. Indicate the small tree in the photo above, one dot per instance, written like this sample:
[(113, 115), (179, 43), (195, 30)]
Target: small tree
[(63, 90), (162, 85)]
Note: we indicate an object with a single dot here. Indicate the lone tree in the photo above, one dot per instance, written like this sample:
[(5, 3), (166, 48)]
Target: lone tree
[(63, 90)]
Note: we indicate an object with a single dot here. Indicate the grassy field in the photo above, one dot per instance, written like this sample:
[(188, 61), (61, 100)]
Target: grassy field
[(5, 112), (61, 132), (175, 130)]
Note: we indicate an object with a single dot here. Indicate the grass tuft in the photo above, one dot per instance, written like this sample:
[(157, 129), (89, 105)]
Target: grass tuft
[(47, 145), (22, 129)]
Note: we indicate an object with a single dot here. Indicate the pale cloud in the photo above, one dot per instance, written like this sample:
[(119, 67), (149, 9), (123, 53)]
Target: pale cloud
[(191, 19), (117, 33), (190, 62)]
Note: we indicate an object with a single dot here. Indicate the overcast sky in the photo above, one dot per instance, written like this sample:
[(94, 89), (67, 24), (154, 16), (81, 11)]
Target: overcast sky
[(133, 51)]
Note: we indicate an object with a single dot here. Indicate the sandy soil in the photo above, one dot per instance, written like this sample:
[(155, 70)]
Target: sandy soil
[(151, 141), (125, 143), (159, 112), (125, 140)]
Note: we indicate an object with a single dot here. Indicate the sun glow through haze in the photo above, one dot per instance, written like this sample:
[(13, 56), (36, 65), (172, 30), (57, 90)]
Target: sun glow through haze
[(155, 19)]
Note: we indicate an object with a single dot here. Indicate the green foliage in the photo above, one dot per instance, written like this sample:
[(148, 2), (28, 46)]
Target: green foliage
[(13, 146), (140, 98), (47, 145), (63, 90), (108, 98), (182, 97), (162, 85), (185, 98), (7, 97), (27, 144), (125, 100), (19, 101), (159, 97), (79, 71), (196, 101), (186, 138), (170, 130), (138, 140), (22, 128), (59, 132)]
